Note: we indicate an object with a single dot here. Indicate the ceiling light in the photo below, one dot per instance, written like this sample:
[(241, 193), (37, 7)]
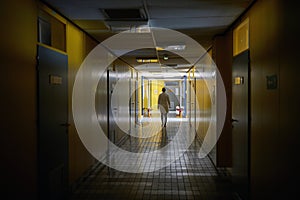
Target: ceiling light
[(143, 29), (147, 60), (175, 47), (165, 57), (159, 49)]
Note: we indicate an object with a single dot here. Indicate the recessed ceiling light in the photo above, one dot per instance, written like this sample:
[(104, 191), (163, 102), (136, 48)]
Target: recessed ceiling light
[(175, 47), (165, 57), (146, 60)]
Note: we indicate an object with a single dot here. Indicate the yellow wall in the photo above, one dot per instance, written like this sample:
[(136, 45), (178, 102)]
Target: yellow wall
[(18, 99), (78, 46), (139, 95), (204, 104), (152, 88), (18, 86), (156, 86), (146, 93), (264, 54)]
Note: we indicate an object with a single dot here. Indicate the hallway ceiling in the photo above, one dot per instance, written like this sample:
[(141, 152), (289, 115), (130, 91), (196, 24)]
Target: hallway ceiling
[(199, 19)]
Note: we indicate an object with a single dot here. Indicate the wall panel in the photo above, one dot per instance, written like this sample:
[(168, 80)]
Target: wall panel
[(289, 99), (223, 59), (264, 61), (77, 46), (18, 99)]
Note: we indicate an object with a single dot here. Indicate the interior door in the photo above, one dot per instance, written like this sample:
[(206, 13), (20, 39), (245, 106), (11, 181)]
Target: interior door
[(240, 123), (52, 124), (133, 100), (113, 105), (188, 101), (193, 102), (136, 100)]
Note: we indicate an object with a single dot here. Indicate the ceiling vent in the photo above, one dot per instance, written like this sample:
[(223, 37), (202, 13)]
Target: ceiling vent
[(125, 14), (132, 14), (125, 19)]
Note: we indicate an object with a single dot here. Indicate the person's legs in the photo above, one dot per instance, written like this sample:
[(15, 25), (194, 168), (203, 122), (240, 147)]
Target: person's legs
[(166, 117), (162, 118)]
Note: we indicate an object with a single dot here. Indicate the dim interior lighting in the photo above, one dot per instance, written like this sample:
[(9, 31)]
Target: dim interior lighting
[(180, 47), (165, 57), (175, 48), (143, 29), (159, 48), (147, 60)]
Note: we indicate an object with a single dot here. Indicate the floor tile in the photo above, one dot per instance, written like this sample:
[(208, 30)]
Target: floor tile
[(189, 177)]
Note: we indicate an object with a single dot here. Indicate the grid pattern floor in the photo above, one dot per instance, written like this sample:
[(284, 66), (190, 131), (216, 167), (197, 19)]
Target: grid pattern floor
[(189, 177)]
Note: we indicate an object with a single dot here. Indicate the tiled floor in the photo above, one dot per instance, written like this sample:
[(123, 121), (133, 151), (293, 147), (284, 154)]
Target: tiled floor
[(189, 177)]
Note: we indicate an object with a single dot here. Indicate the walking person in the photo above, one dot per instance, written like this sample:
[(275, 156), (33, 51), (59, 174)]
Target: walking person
[(163, 105)]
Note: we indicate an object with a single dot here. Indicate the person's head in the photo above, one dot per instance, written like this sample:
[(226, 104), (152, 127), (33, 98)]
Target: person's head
[(163, 89)]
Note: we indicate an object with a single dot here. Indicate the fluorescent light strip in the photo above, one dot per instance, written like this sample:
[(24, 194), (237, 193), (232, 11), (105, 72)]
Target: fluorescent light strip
[(146, 60)]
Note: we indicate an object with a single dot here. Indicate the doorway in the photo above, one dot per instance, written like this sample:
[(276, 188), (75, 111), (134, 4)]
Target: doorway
[(241, 123), (52, 124)]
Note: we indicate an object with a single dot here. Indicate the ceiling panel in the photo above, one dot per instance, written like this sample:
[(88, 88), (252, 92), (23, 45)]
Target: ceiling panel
[(199, 19)]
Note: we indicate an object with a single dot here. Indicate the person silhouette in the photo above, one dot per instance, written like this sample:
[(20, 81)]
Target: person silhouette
[(163, 105)]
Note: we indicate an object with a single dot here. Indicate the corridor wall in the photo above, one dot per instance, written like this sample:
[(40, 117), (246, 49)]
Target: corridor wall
[(274, 138), (204, 103), (120, 104), (155, 90), (18, 99), (78, 46), (19, 87), (222, 56), (274, 50)]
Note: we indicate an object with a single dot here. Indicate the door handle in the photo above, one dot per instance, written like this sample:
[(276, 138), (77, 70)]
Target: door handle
[(234, 120), (65, 124)]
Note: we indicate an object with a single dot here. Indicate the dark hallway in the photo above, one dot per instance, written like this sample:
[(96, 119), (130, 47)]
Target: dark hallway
[(232, 131)]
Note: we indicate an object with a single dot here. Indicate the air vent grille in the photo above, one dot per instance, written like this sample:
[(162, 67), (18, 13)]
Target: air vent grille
[(125, 14)]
